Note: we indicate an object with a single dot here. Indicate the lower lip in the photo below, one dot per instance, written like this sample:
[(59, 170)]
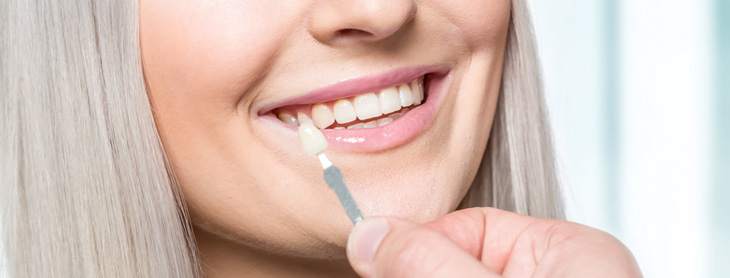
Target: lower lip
[(400, 131)]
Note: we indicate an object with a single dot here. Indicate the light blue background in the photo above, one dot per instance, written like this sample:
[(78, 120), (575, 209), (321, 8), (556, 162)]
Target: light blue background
[(639, 92)]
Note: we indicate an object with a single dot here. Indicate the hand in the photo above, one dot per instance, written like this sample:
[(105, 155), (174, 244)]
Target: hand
[(486, 242)]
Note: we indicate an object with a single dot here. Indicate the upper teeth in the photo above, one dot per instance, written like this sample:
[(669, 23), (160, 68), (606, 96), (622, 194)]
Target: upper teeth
[(363, 107)]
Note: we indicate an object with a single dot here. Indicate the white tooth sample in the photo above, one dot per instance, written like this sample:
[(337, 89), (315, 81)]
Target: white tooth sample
[(355, 126), (287, 118), (367, 106), (304, 119), (417, 92), (384, 121), (389, 101), (405, 95), (371, 124), (339, 127), (322, 116), (312, 140), (344, 112)]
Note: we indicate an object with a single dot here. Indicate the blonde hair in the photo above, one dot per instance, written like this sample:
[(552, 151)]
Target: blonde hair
[(85, 191), (85, 186), (518, 171)]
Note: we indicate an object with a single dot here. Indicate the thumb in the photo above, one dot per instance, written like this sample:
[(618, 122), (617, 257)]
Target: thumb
[(393, 247)]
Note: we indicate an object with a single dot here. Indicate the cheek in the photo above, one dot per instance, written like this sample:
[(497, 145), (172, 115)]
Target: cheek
[(201, 59), (483, 23), (202, 55)]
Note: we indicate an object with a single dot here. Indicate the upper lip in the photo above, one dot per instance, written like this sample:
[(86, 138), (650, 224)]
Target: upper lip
[(357, 86)]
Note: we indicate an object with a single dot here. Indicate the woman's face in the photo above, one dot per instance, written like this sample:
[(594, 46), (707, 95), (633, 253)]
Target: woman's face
[(220, 73)]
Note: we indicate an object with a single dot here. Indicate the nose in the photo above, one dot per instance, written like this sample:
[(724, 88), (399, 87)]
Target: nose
[(341, 21)]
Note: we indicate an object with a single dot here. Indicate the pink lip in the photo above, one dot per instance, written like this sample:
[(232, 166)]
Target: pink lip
[(358, 86), (373, 139)]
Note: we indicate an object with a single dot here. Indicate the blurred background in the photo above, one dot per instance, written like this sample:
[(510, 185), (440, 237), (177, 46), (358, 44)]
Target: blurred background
[(639, 95)]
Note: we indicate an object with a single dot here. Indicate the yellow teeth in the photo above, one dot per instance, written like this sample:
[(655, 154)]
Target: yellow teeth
[(288, 118)]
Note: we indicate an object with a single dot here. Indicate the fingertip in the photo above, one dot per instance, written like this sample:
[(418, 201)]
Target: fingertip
[(365, 239)]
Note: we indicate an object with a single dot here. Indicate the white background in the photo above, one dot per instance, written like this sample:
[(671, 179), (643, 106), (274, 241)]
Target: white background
[(630, 92)]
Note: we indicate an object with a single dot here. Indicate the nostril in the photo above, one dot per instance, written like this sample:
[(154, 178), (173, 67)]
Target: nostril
[(332, 22), (348, 33)]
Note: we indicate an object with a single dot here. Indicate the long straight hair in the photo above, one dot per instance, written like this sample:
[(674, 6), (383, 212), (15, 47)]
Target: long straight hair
[(85, 187), (518, 171)]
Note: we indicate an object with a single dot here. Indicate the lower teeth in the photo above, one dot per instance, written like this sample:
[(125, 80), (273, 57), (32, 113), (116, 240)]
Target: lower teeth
[(380, 122)]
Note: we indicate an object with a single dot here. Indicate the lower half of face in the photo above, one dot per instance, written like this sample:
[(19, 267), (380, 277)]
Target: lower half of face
[(228, 91)]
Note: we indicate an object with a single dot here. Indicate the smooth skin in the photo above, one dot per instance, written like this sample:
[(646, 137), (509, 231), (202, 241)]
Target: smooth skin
[(486, 242), (257, 203)]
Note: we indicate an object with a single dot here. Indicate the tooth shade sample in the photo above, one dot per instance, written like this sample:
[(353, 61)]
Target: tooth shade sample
[(389, 101), (288, 118), (384, 121), (367, 106), (371, 124), (417, 92), (405, 95), (312, 140), (304, 119), (339, 127), (344, 112), (355, 126), (322, 116)]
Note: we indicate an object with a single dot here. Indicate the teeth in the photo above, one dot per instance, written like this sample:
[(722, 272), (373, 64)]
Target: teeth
[(367, 106), (405, 95), (344, 112), (355, 126), (304, 119), (322, 116), (389, 101), (384, 121), (395, 116), (371, 124), (288, 118), (417, 92)]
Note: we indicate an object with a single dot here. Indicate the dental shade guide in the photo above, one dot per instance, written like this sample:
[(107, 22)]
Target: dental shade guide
[(314, 143)]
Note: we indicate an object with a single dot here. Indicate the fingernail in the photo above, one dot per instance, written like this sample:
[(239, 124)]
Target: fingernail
[(366, 237)]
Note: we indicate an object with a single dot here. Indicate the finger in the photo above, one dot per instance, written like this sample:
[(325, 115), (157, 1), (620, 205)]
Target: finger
[(391, 247), (488, 234), (518, 245)]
